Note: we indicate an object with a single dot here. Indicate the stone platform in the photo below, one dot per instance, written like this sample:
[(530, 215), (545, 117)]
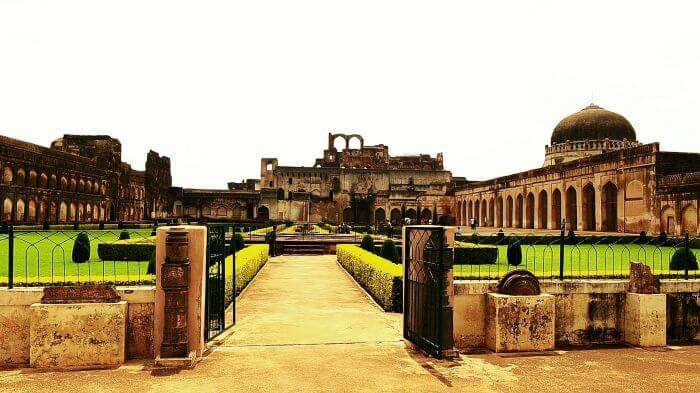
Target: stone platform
[(519, 323)]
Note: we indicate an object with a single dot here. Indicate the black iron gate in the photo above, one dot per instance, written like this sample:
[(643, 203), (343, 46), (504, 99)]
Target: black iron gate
[(215, 303), (427, 283)]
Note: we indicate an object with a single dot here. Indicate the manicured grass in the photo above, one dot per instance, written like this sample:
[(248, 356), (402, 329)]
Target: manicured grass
[(46, 257), (583, 260)]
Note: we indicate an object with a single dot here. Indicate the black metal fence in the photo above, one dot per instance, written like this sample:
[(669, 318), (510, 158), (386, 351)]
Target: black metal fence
[(67, 256), (566, 256)]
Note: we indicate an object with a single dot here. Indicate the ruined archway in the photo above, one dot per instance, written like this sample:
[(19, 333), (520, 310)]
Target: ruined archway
[(556, 209), (542, 210), (509, 212), (571, 208), (689, 220), (411, 213), (379, 216), (609, 208), (668, 220), (530, 211), (588, 208), (519, 211), (395, 216), (263, 213)]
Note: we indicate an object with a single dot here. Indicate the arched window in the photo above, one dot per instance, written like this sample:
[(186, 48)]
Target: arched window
[(7, 175)]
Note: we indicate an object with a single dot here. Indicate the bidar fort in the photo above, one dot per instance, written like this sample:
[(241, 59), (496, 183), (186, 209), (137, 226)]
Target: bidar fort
[(596, 176)]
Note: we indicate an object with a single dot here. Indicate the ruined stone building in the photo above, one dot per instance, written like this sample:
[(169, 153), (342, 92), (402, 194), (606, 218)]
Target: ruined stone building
[(80, 178), (596, 177)]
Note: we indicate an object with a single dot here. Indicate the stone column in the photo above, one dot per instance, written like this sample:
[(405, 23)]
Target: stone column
[(178, 296)]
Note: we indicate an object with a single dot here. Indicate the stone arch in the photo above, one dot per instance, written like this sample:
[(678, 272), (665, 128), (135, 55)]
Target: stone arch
[(52, 181), (31, 210), (491, 218), (519, 211), (395, 216), (426, 215), (88, 186), (72, 212), (43, 180), (20, 179), (95, 213), (334, 140), (280, 194), (263, 213), (444, 220), (530, 211), (689, 220), (64, 183), (355, 137), (556, 209), (379, 215), (63, 212), (96, 188), (571, 208), (7, 175), (88, 212), (470, 212), (484, 213), (463, 213), (7, 209), (32, 178), (459, 213), (19, 213), (588, 207), (81, 185), (73, 184), (542, 205), (42, 211), (609, 207), (668, 220), (81, 212), (509, 211), (411, 213), (499, 211), (477, 211)]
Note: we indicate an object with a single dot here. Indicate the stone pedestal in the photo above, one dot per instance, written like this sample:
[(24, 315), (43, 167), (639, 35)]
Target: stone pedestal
[(77, 336), (645, 319), (168, 307), (519, 323)]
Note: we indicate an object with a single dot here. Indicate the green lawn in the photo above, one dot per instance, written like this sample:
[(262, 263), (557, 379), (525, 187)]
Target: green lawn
[(583, 260), (46, 256)]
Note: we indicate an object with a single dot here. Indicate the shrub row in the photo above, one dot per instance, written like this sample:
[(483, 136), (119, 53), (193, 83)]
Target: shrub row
[(380, 277), (475, 254), (127, 250), (249, 261)]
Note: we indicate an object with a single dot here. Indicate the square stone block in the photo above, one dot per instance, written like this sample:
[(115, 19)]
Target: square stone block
[(645, 319), (519, 323), (75, 336)]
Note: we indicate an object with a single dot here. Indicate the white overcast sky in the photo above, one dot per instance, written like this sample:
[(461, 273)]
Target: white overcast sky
[(216, 85)]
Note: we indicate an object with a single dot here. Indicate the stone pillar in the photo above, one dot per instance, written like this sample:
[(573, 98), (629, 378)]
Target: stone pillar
[(178, 331), (645, 319)]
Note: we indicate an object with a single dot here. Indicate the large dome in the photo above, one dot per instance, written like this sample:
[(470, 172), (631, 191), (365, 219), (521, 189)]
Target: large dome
[(591, 123)]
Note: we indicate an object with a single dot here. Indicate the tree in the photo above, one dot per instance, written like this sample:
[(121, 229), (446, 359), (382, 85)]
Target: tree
[(81, 248), (681, 258), (152, 263)]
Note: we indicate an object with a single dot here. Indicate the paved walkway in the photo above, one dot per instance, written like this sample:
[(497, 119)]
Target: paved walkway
[(304, 325)]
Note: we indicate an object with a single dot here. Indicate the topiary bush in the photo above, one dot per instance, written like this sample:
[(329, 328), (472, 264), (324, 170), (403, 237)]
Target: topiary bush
[(388, 251), (81, 248), (663, 237), (124, 235), (514, 254), (500, 236), (367, 243), (680, 258)]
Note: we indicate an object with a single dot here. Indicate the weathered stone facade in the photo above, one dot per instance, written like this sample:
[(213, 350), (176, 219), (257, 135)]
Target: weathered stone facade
[(596, 185), (80, 178)]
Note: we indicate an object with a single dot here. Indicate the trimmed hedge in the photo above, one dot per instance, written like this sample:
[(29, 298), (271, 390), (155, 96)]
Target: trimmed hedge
[(475, 254), (367, 243), (249, 261), (127, 250), (388, 251), (381, 278)]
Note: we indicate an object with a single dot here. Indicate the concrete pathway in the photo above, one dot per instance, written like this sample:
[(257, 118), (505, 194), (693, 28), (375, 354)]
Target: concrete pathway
[(309, 300), (305, 326)]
